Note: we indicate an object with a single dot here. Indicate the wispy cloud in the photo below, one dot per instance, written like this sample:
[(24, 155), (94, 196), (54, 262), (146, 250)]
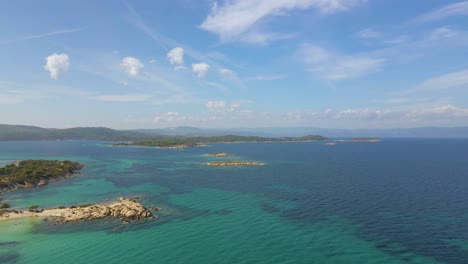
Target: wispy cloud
[(457, 79), (234, 19), (43, 35), (269, 77), (368, 33), (123, 98), (454, 9), (335, 66)]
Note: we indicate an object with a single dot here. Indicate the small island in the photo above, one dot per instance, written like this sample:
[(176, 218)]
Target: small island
[(219, 154), (234, 163), (183, 142), (124, 209), (33, 173)]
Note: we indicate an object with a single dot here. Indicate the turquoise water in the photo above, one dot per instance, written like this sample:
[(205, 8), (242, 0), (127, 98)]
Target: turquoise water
[(398, 201)]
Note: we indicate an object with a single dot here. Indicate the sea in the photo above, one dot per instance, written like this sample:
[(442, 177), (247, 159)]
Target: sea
[(395, 201)]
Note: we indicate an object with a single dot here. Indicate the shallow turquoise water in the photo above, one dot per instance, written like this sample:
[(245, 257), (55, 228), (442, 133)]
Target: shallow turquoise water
[(399, 201)]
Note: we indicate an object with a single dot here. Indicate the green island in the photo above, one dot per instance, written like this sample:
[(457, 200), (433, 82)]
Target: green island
[(181, 142), (32, 173)]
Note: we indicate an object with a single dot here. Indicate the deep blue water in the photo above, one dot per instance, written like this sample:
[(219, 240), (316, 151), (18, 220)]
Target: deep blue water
[(396, 201)]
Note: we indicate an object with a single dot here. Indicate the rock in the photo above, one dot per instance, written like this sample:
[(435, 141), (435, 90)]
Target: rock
[(235, 163), (220, 154)]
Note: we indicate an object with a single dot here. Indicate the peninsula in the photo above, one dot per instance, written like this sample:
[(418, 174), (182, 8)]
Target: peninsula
[(33, 173), (181, 142), (124, 209)]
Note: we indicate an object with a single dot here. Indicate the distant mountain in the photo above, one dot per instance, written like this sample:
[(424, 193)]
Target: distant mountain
[(421, 132), (186, 131), (17, 132)]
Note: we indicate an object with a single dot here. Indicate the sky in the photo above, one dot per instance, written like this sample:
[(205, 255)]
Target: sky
[(234, 63)]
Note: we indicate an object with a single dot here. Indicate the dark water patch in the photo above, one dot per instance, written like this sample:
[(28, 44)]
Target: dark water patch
[(9, 244), (222, 212), (9, 258)]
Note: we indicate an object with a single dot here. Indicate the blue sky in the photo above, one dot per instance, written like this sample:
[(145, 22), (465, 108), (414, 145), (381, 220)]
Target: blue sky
[(236, 63)]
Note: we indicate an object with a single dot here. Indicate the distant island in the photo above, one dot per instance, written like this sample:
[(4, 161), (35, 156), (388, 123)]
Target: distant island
[(181, 142), (32, 173), (360, 139), (234, 163)]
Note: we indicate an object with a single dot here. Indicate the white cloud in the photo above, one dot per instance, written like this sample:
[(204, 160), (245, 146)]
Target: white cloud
[(176, 56), (200, 69), (172, 117), (56, 63), (441, 112), (213, 105), (442, 33), (368, 33), (269, 77), (263, 38), (217, 86), (123, 97), (236, 17), (132, 66), (451, 80), (334, 66), (222, 106), (152, 61), (455, 9), (227, 74)]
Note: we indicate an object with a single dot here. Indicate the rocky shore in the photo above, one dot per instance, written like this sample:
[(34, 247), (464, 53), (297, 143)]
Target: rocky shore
[(126, 210), (234, 163)]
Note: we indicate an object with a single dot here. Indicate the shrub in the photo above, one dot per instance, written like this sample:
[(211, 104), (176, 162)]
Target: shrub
[(4, 206)]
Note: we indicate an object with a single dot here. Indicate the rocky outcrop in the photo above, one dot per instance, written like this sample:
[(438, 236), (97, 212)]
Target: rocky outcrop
[(234, 163), (220, 154), (125, 209)]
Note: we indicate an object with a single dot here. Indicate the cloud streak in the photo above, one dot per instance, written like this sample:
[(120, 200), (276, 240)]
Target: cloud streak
[(123, 98), (455, 9), (43, 35)]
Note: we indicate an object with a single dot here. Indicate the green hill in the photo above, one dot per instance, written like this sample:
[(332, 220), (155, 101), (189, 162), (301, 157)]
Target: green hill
[(16, 132)]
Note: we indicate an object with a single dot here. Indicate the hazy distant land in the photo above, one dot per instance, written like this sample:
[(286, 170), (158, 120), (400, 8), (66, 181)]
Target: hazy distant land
[(181, 142), (19, 132)]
